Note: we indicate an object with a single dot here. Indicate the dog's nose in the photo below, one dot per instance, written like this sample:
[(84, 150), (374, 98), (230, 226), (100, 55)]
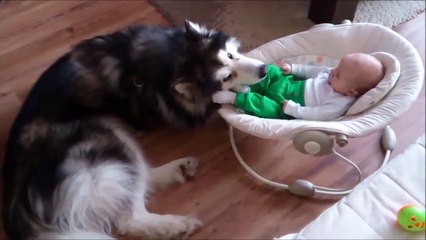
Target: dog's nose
[(262, 71)]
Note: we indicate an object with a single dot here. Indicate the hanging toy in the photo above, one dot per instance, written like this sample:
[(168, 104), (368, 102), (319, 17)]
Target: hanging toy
[(411, 218)]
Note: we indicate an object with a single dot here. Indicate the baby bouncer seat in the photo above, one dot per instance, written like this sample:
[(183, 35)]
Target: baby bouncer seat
[(370, 113)]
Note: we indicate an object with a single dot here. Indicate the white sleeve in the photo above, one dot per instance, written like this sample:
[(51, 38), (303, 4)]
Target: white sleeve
[(324, 112), (307, 71)]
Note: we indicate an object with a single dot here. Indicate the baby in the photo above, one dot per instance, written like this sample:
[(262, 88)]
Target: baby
[(323, 93)]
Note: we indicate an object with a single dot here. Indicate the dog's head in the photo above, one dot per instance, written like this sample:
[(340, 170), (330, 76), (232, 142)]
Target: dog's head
[(212, 63)]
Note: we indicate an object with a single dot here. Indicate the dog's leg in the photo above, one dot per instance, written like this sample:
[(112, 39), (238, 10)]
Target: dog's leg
[(175, 171)]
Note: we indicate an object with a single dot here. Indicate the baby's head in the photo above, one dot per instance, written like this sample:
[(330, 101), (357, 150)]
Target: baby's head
[(356, 74)]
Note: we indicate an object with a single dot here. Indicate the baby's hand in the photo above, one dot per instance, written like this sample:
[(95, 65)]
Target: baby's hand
[(284, 104), (286, 68), (224, 97)]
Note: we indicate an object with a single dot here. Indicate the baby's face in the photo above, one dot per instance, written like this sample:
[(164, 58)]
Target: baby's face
[(341, 78), (355, 72)]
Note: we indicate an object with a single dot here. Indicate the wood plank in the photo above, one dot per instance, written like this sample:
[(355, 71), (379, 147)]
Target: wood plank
[(222, 195), (18, 67), (17, 9)]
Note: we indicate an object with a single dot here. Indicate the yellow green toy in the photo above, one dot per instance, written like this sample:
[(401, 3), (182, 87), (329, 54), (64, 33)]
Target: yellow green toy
[(412, 218)]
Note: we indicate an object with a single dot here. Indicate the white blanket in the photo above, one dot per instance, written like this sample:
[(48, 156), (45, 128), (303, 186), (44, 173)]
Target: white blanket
[(370, 211)]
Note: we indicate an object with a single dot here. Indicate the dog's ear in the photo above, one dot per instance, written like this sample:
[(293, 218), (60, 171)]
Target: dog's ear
[(195, 30), (187, 90)]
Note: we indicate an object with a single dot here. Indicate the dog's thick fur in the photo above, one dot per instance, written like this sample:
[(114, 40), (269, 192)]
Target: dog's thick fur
[(72, 170)]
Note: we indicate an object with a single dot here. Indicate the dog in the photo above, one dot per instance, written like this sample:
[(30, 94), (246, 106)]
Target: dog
[(72, 169)]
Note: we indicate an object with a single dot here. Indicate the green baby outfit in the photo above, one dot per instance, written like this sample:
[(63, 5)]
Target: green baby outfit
[(266, 98)]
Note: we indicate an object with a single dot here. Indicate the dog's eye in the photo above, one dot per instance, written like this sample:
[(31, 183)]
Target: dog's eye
[(230, 56), (229, 77)]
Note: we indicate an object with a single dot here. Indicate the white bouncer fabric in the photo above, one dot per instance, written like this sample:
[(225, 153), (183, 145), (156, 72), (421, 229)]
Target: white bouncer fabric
[(370, 210), (336, 41)]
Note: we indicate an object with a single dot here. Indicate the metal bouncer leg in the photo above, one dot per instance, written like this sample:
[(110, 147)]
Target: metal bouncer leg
[(305, 188)]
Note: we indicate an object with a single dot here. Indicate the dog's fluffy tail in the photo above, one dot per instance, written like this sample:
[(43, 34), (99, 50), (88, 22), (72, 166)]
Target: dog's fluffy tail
[(87, 207), (73, 235)]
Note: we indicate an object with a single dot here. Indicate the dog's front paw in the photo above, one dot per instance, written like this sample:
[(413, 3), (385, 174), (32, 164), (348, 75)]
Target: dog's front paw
[(185, 168)]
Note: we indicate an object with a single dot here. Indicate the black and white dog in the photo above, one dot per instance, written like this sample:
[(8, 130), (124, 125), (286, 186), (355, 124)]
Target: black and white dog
[(72, 169)]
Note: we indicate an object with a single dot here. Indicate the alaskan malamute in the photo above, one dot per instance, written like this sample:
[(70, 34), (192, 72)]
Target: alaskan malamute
[(72, 170)]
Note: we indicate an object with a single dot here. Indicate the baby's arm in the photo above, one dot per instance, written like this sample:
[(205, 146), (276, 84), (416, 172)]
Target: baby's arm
[(324, 112)]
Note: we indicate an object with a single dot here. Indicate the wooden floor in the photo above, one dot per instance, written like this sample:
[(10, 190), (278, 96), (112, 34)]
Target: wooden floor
[(34, 33)]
